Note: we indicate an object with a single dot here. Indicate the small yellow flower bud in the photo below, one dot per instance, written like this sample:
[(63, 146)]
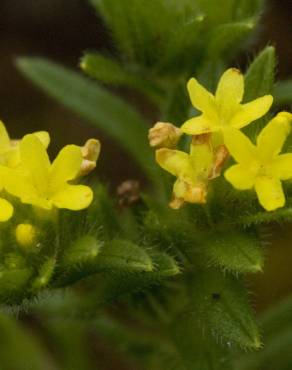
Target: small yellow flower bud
[(90, 154), (26, 235), (164, 135)]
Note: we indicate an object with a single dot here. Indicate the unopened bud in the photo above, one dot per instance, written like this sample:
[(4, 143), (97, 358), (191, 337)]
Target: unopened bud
[(164, 135), (26, 235), (90, 153)]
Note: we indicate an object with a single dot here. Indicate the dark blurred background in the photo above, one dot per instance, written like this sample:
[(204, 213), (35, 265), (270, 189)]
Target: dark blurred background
[(62, 30)]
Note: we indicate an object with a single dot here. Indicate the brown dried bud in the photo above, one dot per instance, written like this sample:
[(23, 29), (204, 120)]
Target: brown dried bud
[(128, 193), (90, 153), (164, 135)]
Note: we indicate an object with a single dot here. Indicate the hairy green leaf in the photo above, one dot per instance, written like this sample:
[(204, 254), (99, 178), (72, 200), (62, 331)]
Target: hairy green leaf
[(222, 308), (234, 251), (259, 78), (124, 256)]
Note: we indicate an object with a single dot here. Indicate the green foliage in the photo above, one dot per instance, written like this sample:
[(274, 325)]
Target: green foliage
[(236, 252), (164, 288), (108, 71), (283, 92), (94, 103), (221, 303), (259, 78), (228, 37), (276, 328)]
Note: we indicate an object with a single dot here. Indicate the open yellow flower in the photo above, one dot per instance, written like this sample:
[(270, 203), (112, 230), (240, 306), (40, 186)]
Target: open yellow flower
[(38, 182), (261, 166), (192, 171), (224, 109), (9, 149)]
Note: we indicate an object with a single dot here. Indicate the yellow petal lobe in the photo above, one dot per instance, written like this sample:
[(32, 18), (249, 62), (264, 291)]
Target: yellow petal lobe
[(270, 192)]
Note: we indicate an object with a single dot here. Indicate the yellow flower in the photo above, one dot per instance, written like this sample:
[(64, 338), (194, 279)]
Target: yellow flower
[(9, 149), (192, 170), (224, 109), (38, 182), (261, 166)]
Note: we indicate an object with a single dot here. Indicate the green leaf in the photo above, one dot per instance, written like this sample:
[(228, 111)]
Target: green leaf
[(19, 349), (108, 71), (277, 333), (221, 306), (234, 251), (165, 265), (197, 351), (259, 78), (227, 38), (259, 81), (139, 27), (283, 92), (105, 111), (123, 255), (81, 251)]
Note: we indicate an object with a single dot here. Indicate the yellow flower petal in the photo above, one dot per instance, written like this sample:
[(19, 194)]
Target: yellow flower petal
[(176, 162), (272, 137), (65, 167), (239, 146), (199, 125), (240, 177), (201, 98), (44, 137), (229, 92), (251, 111), (35, 160), (73, 197), (270, 192), (4, 138), (19, 185), (282, 166), (6, 210), (202, 155)]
